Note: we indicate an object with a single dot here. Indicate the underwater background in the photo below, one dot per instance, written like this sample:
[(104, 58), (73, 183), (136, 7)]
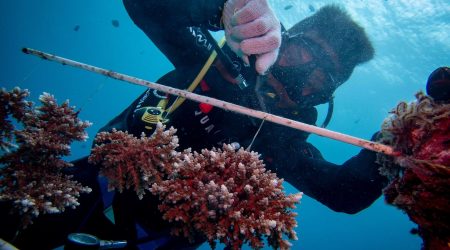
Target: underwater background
[(411, 39)]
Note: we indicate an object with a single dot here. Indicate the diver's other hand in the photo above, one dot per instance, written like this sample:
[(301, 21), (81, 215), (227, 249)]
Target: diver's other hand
[(251, 28)]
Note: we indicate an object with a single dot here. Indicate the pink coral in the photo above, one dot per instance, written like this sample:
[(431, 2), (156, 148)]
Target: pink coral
[(420, 179), (229, 196), (223, 194), (31, 175), (128, 161)]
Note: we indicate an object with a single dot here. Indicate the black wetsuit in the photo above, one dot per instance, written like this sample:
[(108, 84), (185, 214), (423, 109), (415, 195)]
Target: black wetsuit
[(176, 28)]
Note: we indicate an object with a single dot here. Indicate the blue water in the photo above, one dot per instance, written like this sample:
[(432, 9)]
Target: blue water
[(411, 39)]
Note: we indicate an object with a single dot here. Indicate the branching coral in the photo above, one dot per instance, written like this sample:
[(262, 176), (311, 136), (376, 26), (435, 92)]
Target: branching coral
[(420, 177), (221, 194), (30, 172), (228, 196), (13, 104), (128, 161)]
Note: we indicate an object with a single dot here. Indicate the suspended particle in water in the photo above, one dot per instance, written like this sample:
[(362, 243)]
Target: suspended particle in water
[(288, 7), (76, 27), (115, 23)]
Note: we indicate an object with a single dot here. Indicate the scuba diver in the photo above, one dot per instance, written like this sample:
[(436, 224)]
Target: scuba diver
[(261, 66), (264, 67), (313, 58)]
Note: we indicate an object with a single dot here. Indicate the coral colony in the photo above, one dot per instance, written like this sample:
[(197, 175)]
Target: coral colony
[(419, 179), (128, 161), (229, 196), (224, 194), (33, 142)]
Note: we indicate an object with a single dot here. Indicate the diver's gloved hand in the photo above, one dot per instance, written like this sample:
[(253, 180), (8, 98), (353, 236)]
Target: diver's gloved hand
[(251, 28)]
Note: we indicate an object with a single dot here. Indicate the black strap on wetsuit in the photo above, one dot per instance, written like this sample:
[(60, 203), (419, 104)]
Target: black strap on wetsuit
[(225, 59)]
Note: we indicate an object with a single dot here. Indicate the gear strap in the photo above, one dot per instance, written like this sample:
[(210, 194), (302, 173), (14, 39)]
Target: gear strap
[(197, 79)]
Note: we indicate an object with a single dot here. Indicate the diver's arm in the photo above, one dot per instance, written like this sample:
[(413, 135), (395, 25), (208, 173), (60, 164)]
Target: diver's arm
[(173, 26), (349, 188), (185, 13)]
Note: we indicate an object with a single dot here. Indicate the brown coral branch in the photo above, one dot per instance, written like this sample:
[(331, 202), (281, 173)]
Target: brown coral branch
[(11, 103), (30, 173), (128, 161)]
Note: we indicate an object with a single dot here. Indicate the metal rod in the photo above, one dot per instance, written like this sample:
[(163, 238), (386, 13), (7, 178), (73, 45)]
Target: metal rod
[(377, 147)]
